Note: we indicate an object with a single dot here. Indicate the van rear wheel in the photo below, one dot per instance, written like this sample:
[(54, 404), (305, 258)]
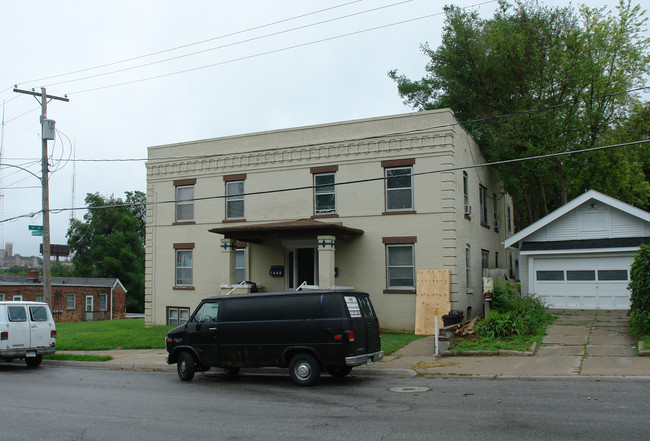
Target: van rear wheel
[(185, 366), (304, 369), (339, 371), (33, 361)]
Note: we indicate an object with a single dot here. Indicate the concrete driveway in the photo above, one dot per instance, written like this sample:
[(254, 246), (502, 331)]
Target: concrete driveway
[(599, 337)]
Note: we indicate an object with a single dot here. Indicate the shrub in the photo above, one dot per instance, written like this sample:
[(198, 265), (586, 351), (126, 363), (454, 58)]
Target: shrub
[(511, 313), (640, 292)]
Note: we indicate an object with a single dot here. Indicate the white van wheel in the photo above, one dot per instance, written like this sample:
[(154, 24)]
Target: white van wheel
[(304, 369)]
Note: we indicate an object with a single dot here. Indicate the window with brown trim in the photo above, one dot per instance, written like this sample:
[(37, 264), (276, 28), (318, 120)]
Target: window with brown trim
[(184, 196), (400, 264), (235, 196)]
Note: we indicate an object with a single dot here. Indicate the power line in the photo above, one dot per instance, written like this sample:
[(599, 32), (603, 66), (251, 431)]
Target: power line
[(356, 181), (273, 34), (139, 57), (364, 138)]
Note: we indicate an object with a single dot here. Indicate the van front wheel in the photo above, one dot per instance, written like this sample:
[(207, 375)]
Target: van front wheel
[(304, 369), (186, 366)]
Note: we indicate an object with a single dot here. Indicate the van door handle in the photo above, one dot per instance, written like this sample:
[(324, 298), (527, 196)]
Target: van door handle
[(212, 329)]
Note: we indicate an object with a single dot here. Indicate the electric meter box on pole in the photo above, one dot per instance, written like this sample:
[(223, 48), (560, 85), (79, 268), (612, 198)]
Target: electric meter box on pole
[(49, 129)]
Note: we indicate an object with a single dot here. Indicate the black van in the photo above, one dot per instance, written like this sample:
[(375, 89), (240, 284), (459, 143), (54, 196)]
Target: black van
[(306, 331)]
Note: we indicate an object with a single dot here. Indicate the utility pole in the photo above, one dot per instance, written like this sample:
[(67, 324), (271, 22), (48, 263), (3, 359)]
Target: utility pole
[(47, 273)]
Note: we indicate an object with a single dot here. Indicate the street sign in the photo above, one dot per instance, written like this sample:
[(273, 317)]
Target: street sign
[(37, 233), (35, 228)]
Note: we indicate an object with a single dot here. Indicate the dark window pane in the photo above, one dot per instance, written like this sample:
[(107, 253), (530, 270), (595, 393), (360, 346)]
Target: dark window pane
[(612, 275), (581, 275), (38, 313), (550, 275), (17, 314)]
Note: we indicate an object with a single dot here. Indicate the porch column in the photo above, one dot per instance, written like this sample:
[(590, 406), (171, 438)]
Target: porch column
[(229, 276), (326, 261)]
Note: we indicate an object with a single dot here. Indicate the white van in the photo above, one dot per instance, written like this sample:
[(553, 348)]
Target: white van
[(27, 330)]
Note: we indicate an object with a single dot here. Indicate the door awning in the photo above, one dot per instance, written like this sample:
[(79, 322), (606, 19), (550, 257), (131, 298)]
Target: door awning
[(298, 229)]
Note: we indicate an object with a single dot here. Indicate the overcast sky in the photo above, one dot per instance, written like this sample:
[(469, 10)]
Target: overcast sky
[(263, 65)]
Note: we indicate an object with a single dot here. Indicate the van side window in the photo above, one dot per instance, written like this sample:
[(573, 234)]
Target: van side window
[(17, 313), (332, 306), (207, 313), (298, 307), (38, 313), (366, 307)]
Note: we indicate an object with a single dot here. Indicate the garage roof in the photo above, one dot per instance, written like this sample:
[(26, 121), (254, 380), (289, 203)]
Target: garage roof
[(591, 194)]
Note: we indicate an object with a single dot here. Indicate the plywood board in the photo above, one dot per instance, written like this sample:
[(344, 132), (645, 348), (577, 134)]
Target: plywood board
[(433, 287)]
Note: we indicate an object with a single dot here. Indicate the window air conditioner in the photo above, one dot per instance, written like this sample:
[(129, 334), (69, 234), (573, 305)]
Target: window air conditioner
[(468, 210), (497, 224)]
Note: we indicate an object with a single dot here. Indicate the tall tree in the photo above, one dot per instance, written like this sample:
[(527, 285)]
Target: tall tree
[(535, 80), (110, 242)]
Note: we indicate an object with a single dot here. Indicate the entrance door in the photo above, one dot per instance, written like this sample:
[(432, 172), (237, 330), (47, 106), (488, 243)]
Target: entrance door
[(302, 267), (89, 308)]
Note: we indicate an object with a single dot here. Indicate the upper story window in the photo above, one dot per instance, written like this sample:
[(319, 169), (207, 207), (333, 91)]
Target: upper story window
[(235, 196), (484, 204), (494, 206), (325, 193), (398, 185), (468, 268), (185, 200), (509, 220)]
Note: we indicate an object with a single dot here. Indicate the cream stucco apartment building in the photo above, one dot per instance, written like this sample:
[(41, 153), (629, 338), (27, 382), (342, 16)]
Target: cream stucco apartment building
[(362, 204)]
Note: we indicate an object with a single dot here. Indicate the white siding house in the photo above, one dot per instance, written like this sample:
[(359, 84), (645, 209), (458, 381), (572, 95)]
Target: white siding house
[(361, 204), (579, 256)]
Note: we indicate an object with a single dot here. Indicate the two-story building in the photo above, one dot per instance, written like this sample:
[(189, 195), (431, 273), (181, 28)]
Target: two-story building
[(363, 204)]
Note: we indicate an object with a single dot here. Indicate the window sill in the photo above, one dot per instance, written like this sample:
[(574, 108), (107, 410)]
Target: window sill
[(399, 291), (399, 212), (468, 217), (184, 288), (184, 223), (484, 225), (229, 221), (324, 215)]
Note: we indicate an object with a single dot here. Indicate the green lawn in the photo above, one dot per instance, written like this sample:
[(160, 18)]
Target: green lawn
[(391, 341), (104, 335), (132, 334)]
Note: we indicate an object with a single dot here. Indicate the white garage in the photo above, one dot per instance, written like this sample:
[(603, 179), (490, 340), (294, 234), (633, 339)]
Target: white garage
[(579, 256), (582, 282)]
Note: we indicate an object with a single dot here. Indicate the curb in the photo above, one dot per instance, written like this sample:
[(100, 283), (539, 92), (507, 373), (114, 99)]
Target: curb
[(643, 352), (502, 352)]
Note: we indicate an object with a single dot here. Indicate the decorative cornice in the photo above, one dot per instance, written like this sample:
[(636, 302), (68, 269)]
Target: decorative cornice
[(303, 156)]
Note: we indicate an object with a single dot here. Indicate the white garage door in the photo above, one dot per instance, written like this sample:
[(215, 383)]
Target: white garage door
[(583, 282)]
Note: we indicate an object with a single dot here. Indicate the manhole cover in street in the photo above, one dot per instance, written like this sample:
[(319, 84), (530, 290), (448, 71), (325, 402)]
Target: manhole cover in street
[(409, 390)]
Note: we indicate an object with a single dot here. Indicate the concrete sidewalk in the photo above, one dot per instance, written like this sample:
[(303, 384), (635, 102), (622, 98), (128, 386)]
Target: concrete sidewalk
[(584, 344), (580, 344)]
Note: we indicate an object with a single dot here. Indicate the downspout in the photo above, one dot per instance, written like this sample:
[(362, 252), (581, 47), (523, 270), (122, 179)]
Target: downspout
[(112, 288)]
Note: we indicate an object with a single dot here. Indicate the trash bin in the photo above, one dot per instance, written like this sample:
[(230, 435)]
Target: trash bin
[(453, 318)]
